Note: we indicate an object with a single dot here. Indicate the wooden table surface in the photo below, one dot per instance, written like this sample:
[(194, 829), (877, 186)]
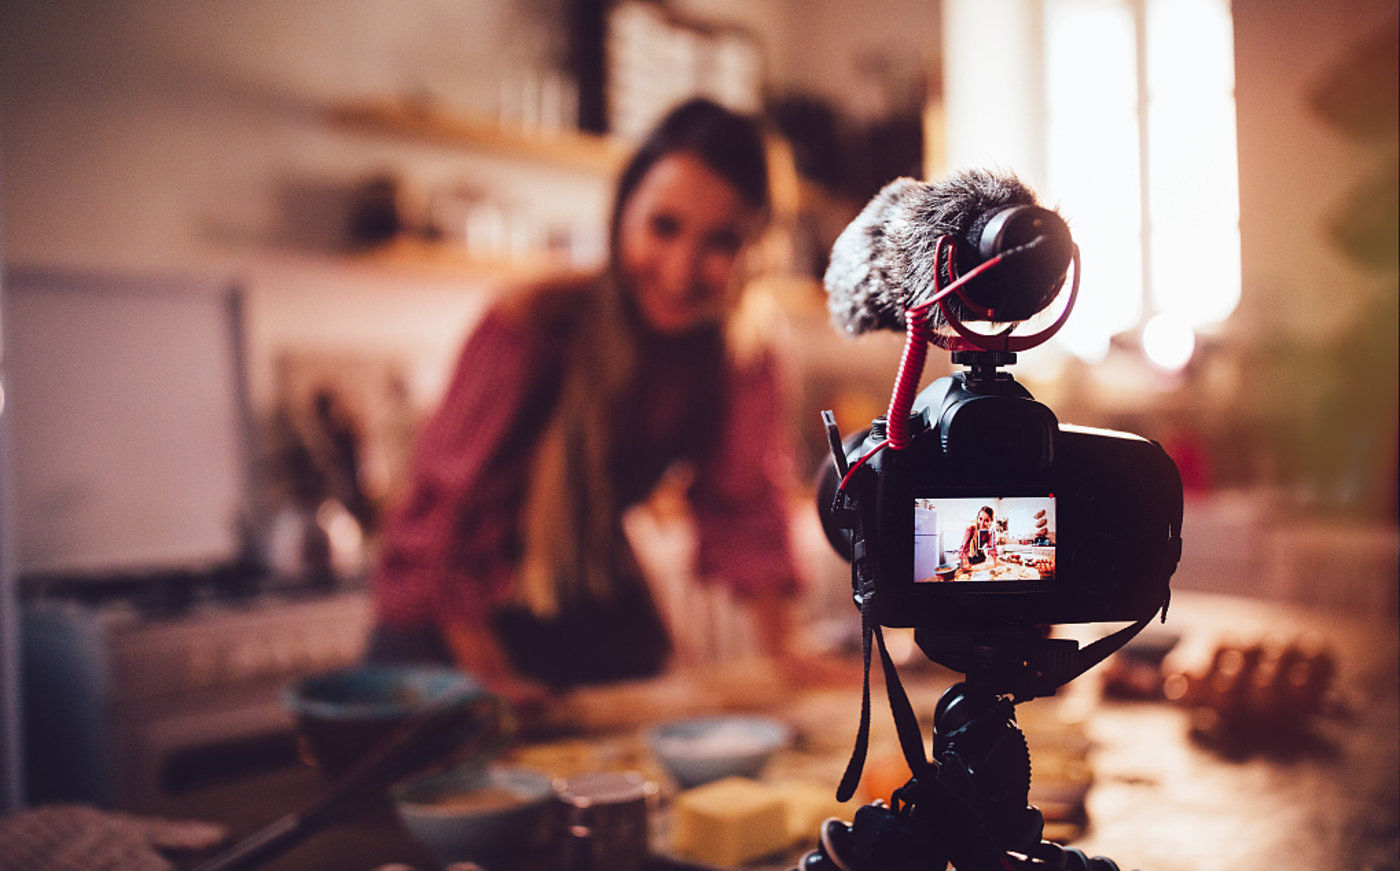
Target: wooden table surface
[(1160, 800), (1329, 800)]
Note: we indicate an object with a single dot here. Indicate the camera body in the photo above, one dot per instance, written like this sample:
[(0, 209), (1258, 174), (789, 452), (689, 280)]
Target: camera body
[(1084, 524)]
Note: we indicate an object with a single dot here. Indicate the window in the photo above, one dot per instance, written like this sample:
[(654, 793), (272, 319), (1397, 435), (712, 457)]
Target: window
[(1132, 131)]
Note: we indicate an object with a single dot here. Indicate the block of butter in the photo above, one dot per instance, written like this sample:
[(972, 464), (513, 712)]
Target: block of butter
[(807, 806), (730, 822)]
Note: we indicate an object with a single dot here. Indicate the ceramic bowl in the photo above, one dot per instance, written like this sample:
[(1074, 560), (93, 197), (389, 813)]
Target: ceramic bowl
[(342, 714), (702, 749), (493, 815)]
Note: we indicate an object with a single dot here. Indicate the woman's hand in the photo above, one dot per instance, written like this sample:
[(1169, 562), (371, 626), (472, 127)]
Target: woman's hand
[(476, 651), (799, 668), (528, 698)]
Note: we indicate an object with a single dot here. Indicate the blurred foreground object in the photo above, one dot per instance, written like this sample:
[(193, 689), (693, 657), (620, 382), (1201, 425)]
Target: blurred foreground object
[(461, 724), (602, 819), (1258, 693), (704, 749), (491, 814), (342, 715), (1136, 671), (80, 838), (731, 821)]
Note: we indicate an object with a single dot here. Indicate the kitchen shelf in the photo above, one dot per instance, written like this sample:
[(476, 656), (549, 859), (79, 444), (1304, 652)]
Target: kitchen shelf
[(401, 259), (444, 259), (564, 148)]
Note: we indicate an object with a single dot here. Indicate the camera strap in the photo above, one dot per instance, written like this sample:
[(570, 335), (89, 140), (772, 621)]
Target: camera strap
[(906, 725)]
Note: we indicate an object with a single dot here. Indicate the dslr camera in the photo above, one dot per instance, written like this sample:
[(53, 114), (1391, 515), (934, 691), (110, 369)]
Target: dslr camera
[(972, 515), (970, 508), (996, 516)]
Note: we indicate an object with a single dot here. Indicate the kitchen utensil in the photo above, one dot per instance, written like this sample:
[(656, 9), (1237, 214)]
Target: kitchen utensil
[(461, 722)]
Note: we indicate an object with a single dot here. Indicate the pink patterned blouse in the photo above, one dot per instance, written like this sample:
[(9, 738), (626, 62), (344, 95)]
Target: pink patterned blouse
[(451, 547)]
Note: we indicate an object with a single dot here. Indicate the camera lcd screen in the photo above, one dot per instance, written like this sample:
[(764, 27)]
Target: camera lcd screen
[(970, 540)]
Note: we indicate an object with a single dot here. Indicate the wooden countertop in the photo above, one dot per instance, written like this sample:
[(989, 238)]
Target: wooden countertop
[(1160, 801)]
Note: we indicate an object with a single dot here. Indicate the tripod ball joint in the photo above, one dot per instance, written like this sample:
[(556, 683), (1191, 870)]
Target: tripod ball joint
[(1053, 857), (878, 838), (857, 847), (969, 807), (1077, 860)]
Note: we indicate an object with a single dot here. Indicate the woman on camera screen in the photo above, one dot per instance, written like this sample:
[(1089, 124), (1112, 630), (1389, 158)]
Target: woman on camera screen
[(979, 546), (569, 401)]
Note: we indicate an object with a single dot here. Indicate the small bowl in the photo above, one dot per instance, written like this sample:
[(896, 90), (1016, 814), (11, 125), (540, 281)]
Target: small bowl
[(342, 714), (703, 749), (491, 815)]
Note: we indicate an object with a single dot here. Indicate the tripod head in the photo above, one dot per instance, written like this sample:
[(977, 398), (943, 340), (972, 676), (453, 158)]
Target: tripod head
[(1020, 663)]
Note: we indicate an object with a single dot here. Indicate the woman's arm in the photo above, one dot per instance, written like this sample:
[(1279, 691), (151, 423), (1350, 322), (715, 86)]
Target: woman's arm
[(965, 551), (446, 554), (738, 497), (476, 651), (739, 501)]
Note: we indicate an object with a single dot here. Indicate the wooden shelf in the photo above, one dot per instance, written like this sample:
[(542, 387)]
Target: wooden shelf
[(444, 259), (393, 263), (565, 148)]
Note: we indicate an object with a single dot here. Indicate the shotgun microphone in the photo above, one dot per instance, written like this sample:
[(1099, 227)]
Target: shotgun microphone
[(886, 260)]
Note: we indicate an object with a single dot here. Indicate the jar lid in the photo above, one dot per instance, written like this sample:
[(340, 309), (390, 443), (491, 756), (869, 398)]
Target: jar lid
[(593, 788)]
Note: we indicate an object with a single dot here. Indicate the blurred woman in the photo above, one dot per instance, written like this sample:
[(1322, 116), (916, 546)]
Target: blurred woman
[(569, 402)]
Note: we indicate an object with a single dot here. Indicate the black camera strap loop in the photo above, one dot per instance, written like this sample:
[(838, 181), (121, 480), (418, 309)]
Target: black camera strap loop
[(856, 764), (906, 725)]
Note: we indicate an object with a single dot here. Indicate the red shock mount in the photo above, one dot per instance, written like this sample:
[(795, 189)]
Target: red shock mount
[(917, 335)]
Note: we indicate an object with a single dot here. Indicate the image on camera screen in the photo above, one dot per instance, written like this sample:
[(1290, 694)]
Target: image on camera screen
[(1010, 538)]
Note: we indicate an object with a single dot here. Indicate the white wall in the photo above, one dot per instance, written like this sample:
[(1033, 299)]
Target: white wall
[(994, 55), (1295, 170), (159, 136), (156, 133)]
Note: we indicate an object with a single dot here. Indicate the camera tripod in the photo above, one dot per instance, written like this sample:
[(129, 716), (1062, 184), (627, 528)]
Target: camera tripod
[(968, 805)]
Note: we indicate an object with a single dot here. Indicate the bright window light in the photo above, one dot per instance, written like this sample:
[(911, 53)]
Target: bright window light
[(1155, 178), (1093, 171), (1192, 170), (1168, 342)]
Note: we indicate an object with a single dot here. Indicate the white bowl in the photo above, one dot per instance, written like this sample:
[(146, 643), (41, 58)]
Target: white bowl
[(703, 749), (490, 815)]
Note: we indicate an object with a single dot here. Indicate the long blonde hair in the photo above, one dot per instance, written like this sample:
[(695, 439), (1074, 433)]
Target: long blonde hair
[(570, 509), (570, 521)]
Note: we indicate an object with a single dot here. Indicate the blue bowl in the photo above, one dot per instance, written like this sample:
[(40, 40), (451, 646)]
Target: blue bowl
[(491, 815), (342, 714), (703, 749)]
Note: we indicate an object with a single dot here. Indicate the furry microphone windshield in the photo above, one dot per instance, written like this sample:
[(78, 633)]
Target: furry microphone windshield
[(883, 262)]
